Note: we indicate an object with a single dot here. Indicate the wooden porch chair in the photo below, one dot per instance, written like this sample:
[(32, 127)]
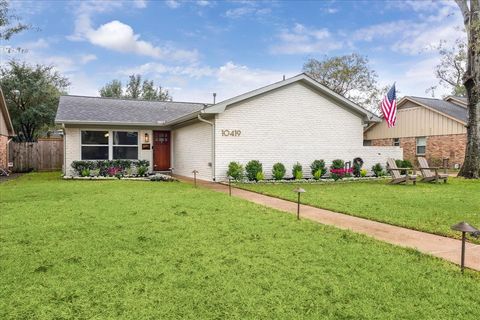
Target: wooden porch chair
[(397, 176), (428, 174)]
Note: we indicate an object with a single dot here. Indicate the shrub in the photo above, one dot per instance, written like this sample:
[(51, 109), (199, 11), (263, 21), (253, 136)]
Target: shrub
[(357, 166), (142, 171), (252, 168), (278, 171), (85, 173), (235, 170), (317, 175), (338, 171), (378, 170), (403, 164), (318, 166), (260, 176), (297, 171), (363, 173), (80, 166)]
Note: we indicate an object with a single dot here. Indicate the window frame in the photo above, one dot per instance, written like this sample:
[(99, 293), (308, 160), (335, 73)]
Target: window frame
[(421, 145), (94, 145), (110, 144), (396, 142), (125, 145)]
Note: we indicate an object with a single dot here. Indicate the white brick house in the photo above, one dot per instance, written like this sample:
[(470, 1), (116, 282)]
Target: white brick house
[(294, 120)]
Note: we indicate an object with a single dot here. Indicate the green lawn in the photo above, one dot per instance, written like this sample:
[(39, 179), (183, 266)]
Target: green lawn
[(145, 250), (427, 207)]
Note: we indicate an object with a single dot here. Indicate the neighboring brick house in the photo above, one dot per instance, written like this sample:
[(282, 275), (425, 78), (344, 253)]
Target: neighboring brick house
[(296, 119), (432, 128), (6, 131)]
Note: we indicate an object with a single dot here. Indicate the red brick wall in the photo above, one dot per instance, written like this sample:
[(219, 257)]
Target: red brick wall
[(438, 148), (3, 152)]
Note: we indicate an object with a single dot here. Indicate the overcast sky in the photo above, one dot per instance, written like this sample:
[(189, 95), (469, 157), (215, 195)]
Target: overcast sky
[(195, 48)]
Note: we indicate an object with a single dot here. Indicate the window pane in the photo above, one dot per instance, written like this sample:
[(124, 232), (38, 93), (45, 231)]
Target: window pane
[(125, 138), (125, 153), (421, 149), (94, 137), (95, 153), (421, 141)]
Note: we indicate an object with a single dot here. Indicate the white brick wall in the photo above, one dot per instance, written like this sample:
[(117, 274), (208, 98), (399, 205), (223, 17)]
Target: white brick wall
[(192, 149), (292, 124), (73, 146)]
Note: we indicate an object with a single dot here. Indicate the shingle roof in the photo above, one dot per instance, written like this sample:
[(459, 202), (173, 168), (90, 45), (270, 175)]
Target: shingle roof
[(120, 111), (448, 108)]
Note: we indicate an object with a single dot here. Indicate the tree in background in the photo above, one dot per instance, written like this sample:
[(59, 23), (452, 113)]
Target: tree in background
[(10, 25), (349, 76), (32, 94), (112, 89), (135, 89), (471, 80), (450, 71)]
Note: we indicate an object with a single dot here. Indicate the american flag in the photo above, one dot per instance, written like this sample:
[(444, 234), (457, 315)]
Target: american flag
[(389, 107)]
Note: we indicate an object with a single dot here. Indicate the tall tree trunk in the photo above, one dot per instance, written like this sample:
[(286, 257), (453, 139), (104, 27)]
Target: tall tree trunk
[(471, 165)]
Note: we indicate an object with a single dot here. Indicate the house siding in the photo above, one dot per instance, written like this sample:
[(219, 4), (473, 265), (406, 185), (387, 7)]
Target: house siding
[(416, 121), (293, 123), (438, 148), (192, 150), (72, 142)]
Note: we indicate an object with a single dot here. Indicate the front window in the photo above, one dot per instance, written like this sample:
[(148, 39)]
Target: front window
[(421, 145), (94, 145), (125, 145), (98, 145)]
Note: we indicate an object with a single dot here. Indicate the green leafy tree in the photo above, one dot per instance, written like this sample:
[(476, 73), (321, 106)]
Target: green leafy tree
[(10, 25), (113, 89), (32, 94), (471, 81), (134, 88), (450, 70), (349, 76)]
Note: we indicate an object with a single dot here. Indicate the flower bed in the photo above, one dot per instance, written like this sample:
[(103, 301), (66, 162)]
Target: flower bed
[(111, 168), (310, 181)]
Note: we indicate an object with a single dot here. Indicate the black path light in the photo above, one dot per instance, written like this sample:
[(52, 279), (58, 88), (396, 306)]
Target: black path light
[(230, 186), (299, 191), (195, 178), (464, 228)]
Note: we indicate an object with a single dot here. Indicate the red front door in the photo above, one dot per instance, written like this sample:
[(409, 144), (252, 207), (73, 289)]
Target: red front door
[(161, 150)]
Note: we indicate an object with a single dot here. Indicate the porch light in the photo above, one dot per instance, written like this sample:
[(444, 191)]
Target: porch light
[(146, 138), (106, 135), (464, 228), (298, 191)]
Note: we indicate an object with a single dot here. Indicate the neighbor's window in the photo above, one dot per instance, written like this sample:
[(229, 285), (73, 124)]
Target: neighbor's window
[(421, 145), (94, 145), (396, 142), (125, 145), (367, 143)]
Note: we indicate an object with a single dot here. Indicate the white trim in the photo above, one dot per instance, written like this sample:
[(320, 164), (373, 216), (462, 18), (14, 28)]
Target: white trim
[(221, 106)]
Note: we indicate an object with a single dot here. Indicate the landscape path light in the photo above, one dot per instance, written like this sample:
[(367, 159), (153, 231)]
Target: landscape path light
[(195, 178), (464, 228), (230, 186), (298, 191)]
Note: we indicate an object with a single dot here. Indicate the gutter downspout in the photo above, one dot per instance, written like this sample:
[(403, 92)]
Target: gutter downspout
[(64, 151), (213, 144)]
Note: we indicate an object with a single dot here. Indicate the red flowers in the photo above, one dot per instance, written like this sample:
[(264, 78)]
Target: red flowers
[(342, 171)]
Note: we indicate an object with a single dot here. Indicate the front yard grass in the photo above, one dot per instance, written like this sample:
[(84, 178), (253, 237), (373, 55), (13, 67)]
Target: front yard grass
[(145, 250), (426, 207)]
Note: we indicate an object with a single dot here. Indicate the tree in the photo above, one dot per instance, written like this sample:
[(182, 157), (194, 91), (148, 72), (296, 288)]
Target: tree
[(451, 69), (10, 24), (136, 89), (113, 89), (349, 76), (32, 94), (471, 80)]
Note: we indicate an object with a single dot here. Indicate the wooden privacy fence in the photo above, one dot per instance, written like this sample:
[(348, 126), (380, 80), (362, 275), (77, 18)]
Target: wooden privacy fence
[(44, 155)]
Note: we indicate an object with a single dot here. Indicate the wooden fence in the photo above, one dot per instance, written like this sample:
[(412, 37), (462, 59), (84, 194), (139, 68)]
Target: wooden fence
[(44, 155)]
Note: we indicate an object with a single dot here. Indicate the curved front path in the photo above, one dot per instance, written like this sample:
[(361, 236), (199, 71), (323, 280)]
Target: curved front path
[(438, 246)]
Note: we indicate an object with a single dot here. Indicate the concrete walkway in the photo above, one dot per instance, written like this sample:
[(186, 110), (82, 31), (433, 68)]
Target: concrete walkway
[(438, 246)]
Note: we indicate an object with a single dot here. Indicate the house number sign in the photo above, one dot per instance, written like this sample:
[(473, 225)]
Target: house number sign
[(231, 133)]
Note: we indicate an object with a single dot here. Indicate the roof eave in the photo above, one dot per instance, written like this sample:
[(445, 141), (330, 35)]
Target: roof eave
[(110, 123)]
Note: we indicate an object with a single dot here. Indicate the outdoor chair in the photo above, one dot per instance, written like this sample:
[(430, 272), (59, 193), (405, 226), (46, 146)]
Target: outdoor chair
[(428, 174), (396, 173), (4, 172)]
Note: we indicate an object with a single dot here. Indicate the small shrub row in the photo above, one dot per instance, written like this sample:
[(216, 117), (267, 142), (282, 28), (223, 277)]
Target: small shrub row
[(111, 168)]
